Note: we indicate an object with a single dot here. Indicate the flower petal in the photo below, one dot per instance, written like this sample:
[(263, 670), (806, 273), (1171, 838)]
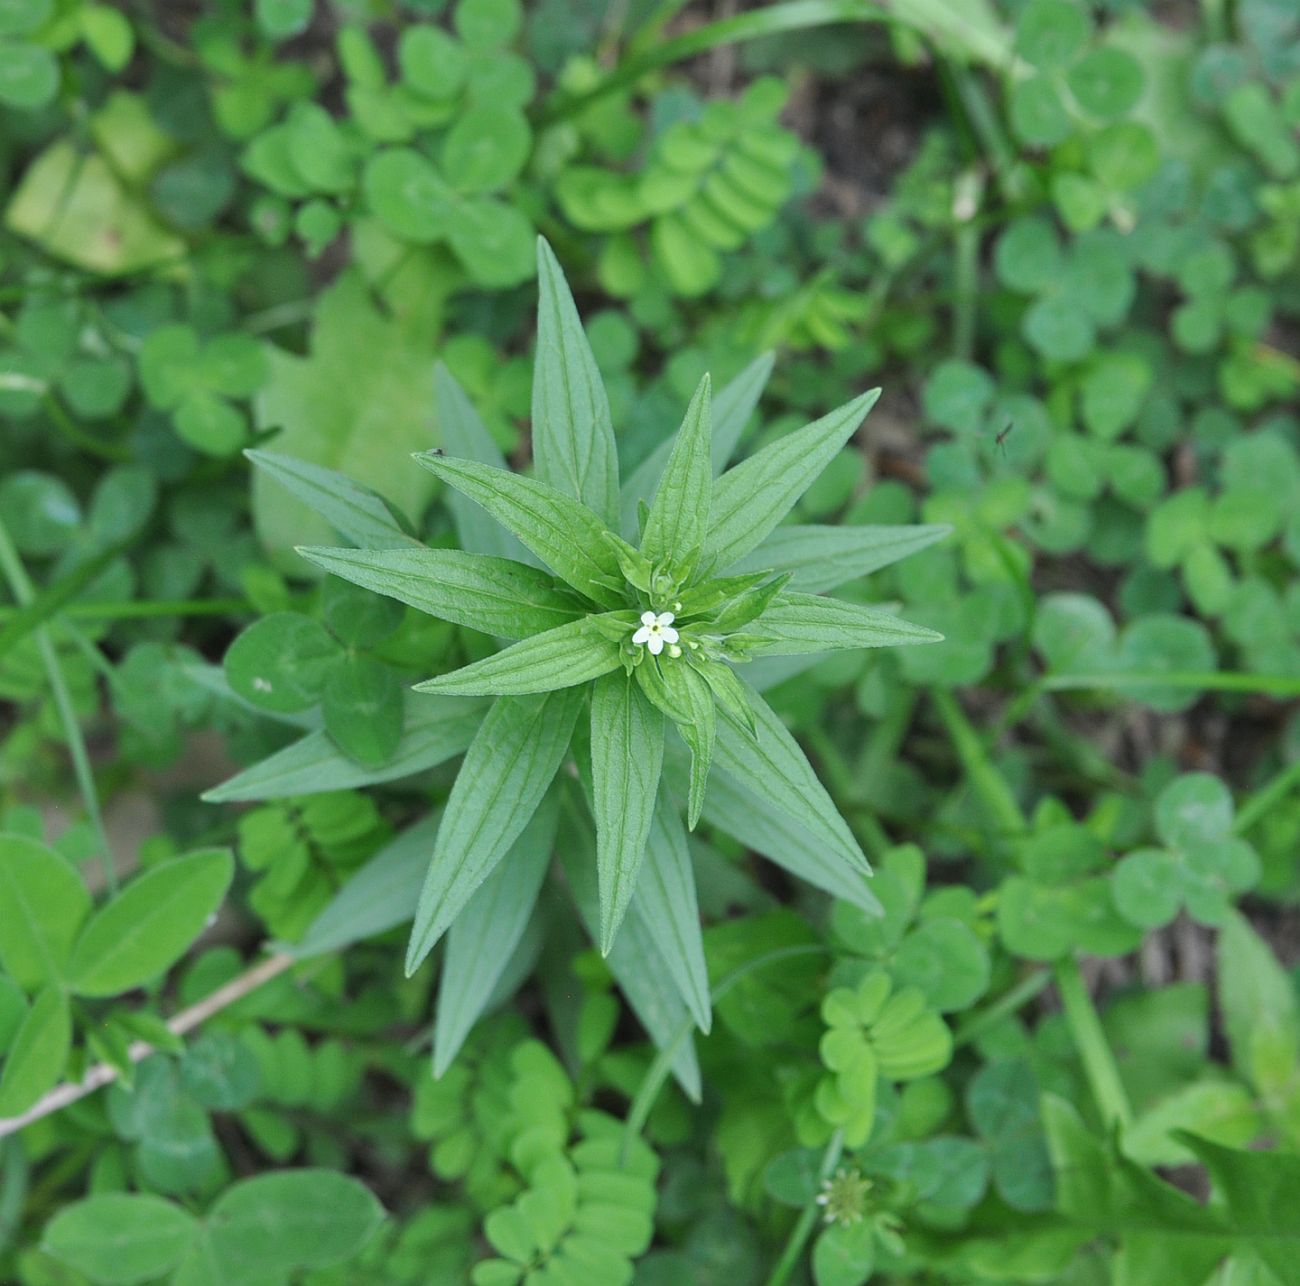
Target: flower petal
[(647, 618), (641, 635), (666, 618), (669, 634), (656, 644)]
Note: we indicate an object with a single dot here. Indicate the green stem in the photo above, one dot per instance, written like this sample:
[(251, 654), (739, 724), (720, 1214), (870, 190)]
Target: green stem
[(768, 20), (146, 608), (1254, 806), (13, 571), (1090, 1040), (1271, 685), (966, 252), (78, 436), (802, 1230), (988, 783), (1005, 1005)]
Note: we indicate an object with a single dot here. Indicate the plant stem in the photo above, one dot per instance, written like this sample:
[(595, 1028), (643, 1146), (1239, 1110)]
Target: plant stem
[(12, 568), (1270, 685), (1254, 806), (146, 608), (103, 1074), (1090, 1040), (802, 1230), (988, 783), (1006, 1004)]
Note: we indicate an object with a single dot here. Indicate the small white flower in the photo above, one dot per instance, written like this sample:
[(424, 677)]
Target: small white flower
[(656, 631)]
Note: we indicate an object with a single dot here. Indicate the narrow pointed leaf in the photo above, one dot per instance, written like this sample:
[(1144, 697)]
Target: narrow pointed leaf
[(796, 623), (39, 1053), (823, 558), (679, 517), (666, 905), (573, 434), (774, 767), (378, 897), (692, 695), (732, 408), (751, 817), (749, 500), (485, 934), (564, 534), (437, 729), (559, 658), (627, 751), (355, 512), (636, 960), (500, 597), (465, 435), (507, 770)]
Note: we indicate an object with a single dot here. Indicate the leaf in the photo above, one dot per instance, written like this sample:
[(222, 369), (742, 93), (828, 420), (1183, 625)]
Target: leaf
[(119, 1238), (355, 512), (498, 913), (794, 623), (732, 408), (465, 434), (1260, 1013), (150, 924), (823, 558), (378, 897), (845, 1254), (679, 517), (666, 905), (39, 1053), (750, 815), (510, 763), (359, 402), (280, 1223), (281, 662), (362, 705), (627, 750), (573, 434), (503, 598), (773, 766), (749, 500), (42, 905), (692, 695), (437, 729), (636, 959), (570, 654), (564, 534)]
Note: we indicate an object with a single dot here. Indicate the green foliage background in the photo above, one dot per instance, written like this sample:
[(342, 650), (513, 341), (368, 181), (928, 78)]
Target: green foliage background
[(255, 255)]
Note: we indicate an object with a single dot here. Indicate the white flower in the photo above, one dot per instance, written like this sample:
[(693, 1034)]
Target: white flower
[(655, 631)]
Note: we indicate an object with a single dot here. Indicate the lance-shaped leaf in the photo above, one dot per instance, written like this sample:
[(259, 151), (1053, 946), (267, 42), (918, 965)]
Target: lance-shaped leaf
[(772, 764), (573, 434), (437, 729), (39, 1053), (485, 934), (823, 558), (749, 500), (794, 623), (464, 434), (679, 517), (627, 752), (506, 772), (732, 408), (355, 512), (500, 597), (666, 905), (751, 817), (692, 697), (637, 960), (564, 534), (558, 658)]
